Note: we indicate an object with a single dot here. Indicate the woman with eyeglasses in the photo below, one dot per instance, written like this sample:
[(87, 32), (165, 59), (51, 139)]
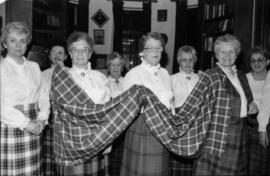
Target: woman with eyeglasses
[(258, 62), (95, 85), (143, 153), (24, 105)]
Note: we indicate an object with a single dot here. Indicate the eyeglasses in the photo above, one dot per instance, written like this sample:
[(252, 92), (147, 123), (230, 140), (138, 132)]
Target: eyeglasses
[(79, 51), (226, 53), (152, 49), (258, 60)]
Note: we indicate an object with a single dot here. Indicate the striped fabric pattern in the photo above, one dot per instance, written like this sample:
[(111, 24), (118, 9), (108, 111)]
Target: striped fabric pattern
[(83, 129), (20, 150)]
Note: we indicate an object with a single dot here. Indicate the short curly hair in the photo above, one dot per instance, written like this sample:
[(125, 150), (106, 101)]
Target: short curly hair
[(18, 26), (186, 49), (76, 36), (228, 38)]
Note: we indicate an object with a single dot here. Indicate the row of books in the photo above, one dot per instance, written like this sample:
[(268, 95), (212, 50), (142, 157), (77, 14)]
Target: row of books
[(46, 20), (212, 11), (216, 27)]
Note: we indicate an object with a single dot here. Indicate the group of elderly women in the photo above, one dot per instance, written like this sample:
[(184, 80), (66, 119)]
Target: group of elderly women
[(222, 92)]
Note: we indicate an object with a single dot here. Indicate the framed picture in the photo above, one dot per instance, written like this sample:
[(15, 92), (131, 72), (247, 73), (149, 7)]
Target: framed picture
[(98, 37), (162, 15), (99, 61)]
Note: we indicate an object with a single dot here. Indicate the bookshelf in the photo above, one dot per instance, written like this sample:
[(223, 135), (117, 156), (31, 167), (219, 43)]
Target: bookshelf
[(48, 22), (216, 19)]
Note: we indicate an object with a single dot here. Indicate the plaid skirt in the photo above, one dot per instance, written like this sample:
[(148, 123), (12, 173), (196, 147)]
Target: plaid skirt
[(97, 166), (116, 155), (49, 164), (143, 153), (257, 153), (20, 150), (234, 160), (180, 166)]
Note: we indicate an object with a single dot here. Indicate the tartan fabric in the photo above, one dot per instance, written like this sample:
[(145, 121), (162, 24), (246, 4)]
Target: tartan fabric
[(257, 153), (49, 165), (143, 153), (234, 161), (82, 129), (180, 166), (96, 166), (116, 155), (20, 150)]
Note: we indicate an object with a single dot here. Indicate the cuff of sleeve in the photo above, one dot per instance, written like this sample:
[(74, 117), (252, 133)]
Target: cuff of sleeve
[(263, 121), (43, 115), (108, 150), (24, 123)]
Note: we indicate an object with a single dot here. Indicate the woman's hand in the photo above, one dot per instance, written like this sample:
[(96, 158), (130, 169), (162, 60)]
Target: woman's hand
[(264, 141), (252, 108), (35, 127)]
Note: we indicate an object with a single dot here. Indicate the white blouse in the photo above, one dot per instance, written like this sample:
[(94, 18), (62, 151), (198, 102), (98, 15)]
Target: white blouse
[(155, 78), (256, 88), (94, 83), (21, 85), (237, 85), (264, 108), (116, 86), (182, 85)]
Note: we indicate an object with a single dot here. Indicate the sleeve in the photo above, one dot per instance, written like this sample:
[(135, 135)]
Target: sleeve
[(9, 114), (264, 108), (108, 90), (44, 100), (131, 78), (13, 117)]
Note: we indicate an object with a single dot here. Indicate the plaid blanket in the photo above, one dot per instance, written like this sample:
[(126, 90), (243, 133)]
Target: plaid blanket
[(83, 129)]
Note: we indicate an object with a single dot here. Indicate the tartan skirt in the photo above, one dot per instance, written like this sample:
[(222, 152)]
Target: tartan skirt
[(20, 150), (234, 160), (181, 166), (97, 166), (143, 153), (257, 153), (49, 164), (116, 155)]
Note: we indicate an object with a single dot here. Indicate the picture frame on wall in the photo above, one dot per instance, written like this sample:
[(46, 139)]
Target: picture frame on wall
[(162, 15), (99, 37)]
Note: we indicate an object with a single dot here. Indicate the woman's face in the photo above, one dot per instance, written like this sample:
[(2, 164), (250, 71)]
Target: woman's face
[(80, 52), (57, 54), (16, 44), (258, 63), (226, 54), (186, 62), (115, 68), (152, 51)]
